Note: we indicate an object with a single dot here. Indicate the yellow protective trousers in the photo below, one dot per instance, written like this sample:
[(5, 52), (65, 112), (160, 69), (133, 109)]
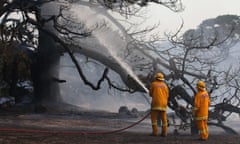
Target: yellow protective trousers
[(154, 119), (203, 129)]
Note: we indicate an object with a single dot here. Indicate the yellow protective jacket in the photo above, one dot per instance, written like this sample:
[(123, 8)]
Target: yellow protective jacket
[(159, 93), (201, 104)]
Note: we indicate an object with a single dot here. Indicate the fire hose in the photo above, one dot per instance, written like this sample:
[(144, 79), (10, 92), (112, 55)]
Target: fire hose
[(21, 130)]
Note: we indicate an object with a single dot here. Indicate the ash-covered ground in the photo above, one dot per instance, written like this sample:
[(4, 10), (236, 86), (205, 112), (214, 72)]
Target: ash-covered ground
[(92, 127)]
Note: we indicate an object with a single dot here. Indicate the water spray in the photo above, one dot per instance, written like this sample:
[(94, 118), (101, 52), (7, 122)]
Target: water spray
[(122, 64)]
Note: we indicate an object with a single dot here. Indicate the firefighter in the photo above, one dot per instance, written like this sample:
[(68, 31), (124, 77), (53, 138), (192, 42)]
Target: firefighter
[(200, 110), (159, 92)]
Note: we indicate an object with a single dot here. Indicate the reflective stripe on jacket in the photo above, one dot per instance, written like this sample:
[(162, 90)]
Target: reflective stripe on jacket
[(159, 93), (201, 104)]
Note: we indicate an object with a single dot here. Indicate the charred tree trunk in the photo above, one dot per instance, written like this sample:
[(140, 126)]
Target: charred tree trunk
[(45, 72), (194, 129), (178, 92)]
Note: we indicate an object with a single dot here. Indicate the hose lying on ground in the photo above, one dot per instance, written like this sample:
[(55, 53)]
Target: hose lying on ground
[(22, 130)]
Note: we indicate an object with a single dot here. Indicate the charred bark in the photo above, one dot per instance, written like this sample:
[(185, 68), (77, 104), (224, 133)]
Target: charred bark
[(45, 71)]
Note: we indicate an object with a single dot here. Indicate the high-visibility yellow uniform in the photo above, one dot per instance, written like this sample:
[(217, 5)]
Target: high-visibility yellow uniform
[(201, 104), (159, 93)]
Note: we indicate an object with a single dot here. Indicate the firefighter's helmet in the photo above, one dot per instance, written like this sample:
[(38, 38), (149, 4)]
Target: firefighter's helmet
[(159, 76), (201, 85)]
